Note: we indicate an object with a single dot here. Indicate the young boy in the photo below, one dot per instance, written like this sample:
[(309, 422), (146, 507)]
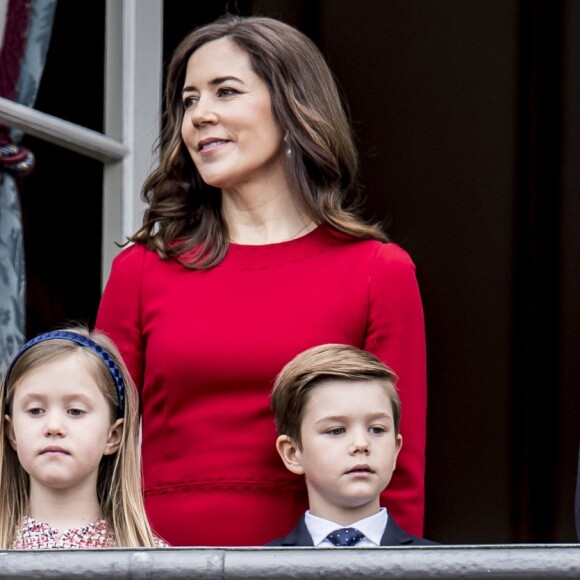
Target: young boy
[(338, 414)]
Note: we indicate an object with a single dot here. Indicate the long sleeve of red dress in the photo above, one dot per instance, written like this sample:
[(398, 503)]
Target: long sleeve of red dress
[(204, 348), (395, 335)]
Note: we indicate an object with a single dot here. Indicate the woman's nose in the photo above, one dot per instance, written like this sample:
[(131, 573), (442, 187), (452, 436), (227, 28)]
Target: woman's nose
[(203, 112)]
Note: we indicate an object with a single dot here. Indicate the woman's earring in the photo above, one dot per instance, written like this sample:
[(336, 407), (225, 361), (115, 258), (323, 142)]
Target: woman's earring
[(288, 146)]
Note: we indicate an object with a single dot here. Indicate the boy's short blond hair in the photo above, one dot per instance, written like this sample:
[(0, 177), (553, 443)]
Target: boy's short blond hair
[(295, 382)]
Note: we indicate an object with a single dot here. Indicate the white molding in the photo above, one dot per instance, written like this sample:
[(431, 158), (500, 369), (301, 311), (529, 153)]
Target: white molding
[(54, 130), (3, 16), (133, 67)]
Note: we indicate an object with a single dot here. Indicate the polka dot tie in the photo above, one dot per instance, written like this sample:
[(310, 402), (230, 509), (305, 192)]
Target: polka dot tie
[(345, 537)]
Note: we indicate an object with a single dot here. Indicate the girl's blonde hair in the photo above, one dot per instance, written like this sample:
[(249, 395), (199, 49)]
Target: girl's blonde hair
[(119, 489)]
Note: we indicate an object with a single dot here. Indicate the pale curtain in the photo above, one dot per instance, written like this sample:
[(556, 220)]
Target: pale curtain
[(25, 29)]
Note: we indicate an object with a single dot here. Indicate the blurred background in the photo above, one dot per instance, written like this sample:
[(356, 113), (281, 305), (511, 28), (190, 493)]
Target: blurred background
[(466, 114)]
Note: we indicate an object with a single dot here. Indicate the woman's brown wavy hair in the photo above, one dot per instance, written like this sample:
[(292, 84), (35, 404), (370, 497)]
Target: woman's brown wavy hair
[(183, 219)]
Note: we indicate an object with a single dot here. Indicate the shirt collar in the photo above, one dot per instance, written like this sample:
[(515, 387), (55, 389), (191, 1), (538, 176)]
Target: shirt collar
[(373, 527)]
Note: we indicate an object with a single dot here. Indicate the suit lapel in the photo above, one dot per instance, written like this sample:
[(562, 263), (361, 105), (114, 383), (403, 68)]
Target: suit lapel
[(394, 535), (299, 536)]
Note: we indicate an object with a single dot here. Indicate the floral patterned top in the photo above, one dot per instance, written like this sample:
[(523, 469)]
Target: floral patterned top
[(36, 535)]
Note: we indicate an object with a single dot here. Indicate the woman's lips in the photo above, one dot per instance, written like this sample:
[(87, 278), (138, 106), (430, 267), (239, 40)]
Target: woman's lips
[(210, 143)]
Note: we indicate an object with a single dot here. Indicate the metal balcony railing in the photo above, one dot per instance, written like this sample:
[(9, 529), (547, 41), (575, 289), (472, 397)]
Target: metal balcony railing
[(488, 561)]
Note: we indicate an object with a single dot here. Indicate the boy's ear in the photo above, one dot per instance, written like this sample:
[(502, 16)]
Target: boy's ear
[(399, 444), (290, 454), (10, 431), (115, 437)]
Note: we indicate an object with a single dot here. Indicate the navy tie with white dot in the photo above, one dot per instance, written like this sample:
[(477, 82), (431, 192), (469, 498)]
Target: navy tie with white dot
[(345, 537)]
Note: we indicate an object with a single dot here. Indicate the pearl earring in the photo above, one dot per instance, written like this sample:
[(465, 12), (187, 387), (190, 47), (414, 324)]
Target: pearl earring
[(288, 146)]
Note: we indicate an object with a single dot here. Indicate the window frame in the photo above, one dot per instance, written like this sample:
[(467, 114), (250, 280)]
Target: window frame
[(132, 105)]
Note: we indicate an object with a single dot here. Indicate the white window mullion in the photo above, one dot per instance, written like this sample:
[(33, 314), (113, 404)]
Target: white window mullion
[(133, 64)]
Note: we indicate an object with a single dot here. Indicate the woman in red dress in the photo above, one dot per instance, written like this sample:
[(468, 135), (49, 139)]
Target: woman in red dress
[(249, 254)]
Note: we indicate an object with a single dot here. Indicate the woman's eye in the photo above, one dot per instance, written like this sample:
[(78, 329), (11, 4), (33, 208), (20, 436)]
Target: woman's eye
[(226, 92), (188, 102)]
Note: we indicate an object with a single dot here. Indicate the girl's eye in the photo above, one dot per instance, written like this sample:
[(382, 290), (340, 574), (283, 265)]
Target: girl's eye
[(34, 411), (75, 412)]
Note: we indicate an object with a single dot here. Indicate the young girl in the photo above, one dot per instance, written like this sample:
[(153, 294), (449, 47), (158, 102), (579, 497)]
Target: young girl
[(69, 464)]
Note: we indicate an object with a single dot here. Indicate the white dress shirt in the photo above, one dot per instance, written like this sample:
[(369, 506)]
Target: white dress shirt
[(373, 527)]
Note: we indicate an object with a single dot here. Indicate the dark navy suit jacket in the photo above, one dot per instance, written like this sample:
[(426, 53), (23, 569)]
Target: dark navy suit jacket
[(392, 536)]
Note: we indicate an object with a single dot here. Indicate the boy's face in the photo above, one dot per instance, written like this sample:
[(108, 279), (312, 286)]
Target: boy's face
[(349, 448)]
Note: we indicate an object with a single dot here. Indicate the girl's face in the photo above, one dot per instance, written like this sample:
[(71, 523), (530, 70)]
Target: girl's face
[(228, 125), (61, 426)]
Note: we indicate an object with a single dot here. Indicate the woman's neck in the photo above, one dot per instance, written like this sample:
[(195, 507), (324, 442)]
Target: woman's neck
[(264, 219)]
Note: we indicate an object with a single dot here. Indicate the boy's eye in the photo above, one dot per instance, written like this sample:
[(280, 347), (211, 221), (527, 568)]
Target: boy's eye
[(336, 431), (377, 430)]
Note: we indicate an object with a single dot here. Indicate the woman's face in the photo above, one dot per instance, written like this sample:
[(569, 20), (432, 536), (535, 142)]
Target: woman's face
[(228, 126)]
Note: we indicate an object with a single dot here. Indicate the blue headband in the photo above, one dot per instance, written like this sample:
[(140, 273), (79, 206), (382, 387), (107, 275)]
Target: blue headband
[(83, 341)]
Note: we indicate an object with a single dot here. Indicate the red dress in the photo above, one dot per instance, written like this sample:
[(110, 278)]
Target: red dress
[(204, 348)]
